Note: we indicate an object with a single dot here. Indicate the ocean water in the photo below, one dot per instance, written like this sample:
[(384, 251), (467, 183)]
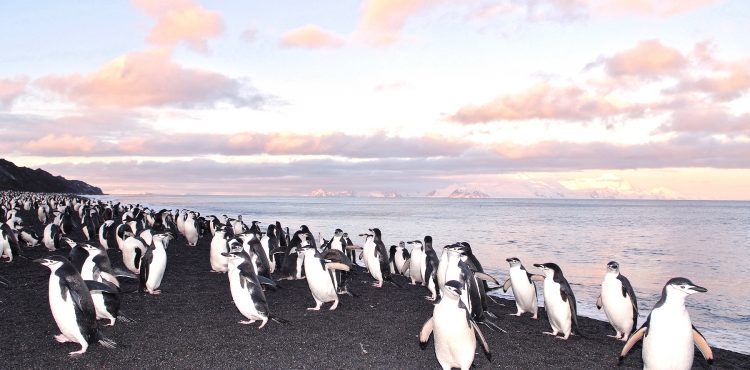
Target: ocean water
[(705, 241)]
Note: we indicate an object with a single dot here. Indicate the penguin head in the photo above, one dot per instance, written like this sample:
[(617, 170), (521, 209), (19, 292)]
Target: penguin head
[(376, 232), (53, 262), (338, 232), (549, 269), (237, 256), (401, 244), (91, 248), (613, 266), (454, 287), (683, 286), (513, 261), (68, 241), (234, 244)]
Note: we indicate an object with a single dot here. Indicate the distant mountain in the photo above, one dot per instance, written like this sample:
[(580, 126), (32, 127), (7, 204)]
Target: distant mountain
[(324, 193), (466, 194), (17, 178)]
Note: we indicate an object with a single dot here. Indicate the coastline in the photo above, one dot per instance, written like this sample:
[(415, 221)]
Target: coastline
[(193, 324)]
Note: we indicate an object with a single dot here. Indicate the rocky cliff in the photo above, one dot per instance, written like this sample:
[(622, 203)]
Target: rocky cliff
[(13, 177)]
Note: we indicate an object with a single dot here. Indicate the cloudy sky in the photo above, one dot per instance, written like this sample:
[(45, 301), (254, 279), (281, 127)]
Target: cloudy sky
[(516, 98)]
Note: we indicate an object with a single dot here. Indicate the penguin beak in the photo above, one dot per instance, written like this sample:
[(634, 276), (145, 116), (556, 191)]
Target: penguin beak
[(697, 288), (539, 265), (225, 254), (40, 260)]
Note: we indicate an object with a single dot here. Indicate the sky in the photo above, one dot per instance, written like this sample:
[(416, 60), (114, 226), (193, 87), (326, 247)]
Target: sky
[(514, 98)]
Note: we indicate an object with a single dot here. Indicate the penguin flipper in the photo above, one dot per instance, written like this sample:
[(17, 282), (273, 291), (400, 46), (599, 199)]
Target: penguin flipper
[(406, 265), (486, 277), (702, 345), (120, 272), (482, 340), (96, 286), (638, 335), (337, 266), (599, 303), (425, 332), (506, 285), (264, 280)]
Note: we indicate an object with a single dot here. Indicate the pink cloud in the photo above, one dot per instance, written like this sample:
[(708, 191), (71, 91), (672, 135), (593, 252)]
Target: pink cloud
[(659, 8), (53, 144), (311, 37), (182, 21), (700, 117), (648, 58), (10, 89), (148, 78), (727, 81), (544, 101), (382, 20)]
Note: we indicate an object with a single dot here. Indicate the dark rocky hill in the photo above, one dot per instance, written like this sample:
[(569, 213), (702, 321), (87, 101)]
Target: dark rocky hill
[(17, 178)]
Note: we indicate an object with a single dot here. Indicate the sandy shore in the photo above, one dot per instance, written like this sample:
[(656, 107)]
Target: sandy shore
[(193, 324)]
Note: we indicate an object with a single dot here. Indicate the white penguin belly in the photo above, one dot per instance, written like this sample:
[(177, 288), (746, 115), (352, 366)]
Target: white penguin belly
[(64, 312), (619, 309), (415, 265), (320, 282), (523, 291), (156, 269), (218, 262), (454, 338), (669, 343), (241, 297), (373, 264), (558, 312)]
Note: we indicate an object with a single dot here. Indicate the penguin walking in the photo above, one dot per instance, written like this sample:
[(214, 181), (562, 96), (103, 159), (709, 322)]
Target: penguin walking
[(669, 337), (153, 264), (524, 289), (245, 286), (97, 267), (559, 301), (377, 260), (619, 302), (321, 277), (455, 332), (71, 305)]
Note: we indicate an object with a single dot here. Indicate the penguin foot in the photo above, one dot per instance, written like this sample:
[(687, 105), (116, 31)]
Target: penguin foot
[(515, 314), (246, 322), (334, 305), (60, 338), (550, 333), (377, 284), (154, 292), (314, 308), (77, 353)]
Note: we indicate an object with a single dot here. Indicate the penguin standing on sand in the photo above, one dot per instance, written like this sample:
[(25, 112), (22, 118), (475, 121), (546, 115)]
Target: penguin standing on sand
[(417, 262), (51, 236), (219, 245), (454, 330), (192, 229), (430, 269), (524, 289), (106, 233), (559, 301), (399, 257), (97, 267), (245, 286), (153, 264), (377, 260), (321, 277), (71, 305), (669, 337), (619, 302)]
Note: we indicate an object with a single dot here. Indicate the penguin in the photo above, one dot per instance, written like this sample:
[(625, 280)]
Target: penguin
[(251, 243), (619, 302), (417, 263), (377, 261), (192, 228), (29, 237), (349, 248), (51, 236), (219, 245), (524, 289), (292, 267), (97, 267), (9, 245), (106, 231), (133, 249), (398, 258), (87, 226), (271, 246), (337, 241), (246, 290), (430, 269), (153, 264), (476, 293), (559, 301), (71, 305), (321, 278), (669, 337), (455, 332)]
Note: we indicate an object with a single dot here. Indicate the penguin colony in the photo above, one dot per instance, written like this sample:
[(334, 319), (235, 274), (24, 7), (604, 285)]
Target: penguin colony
[(85, 287)]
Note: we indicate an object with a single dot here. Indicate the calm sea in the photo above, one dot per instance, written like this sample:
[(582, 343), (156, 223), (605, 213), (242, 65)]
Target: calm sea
[(705, 241)]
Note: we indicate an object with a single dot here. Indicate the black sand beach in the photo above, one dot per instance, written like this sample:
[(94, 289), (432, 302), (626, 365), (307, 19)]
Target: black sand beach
[(193, 324)]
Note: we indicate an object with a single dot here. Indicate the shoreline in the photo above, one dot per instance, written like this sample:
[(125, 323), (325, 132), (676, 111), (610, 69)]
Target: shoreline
[(193, 324)]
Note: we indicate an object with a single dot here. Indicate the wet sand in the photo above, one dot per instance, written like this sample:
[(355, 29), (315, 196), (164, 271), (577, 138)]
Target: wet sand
[(194, 324)]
